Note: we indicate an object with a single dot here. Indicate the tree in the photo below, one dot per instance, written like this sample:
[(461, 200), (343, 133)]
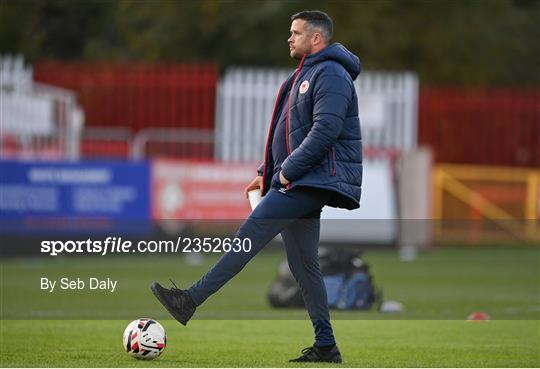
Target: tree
[(474, 42)]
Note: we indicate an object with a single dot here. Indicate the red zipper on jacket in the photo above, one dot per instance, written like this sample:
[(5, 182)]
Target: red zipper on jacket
[(269, 131), (289, 105), (289, 109)]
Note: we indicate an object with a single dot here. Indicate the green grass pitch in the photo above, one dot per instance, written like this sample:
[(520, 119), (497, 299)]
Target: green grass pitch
[(248, 343), (236, 328)]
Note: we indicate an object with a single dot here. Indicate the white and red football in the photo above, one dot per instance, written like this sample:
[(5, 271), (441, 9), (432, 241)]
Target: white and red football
[(144, 339)]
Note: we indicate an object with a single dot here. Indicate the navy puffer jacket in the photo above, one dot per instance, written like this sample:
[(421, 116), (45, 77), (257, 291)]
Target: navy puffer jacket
[(323, 128)]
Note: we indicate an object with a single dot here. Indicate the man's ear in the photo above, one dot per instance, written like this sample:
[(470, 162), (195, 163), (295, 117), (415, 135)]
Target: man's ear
[(317, 38)]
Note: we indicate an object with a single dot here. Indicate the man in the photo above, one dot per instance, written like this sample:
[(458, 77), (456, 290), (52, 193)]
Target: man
[(313, 158)]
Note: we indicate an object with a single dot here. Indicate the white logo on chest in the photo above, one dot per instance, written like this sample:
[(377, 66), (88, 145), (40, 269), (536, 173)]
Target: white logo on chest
[(304, 87)]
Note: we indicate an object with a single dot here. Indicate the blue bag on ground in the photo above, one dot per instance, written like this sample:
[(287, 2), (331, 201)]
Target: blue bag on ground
[(348, 281)]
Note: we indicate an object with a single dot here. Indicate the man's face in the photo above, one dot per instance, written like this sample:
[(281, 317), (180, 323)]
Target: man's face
[(300, 41)]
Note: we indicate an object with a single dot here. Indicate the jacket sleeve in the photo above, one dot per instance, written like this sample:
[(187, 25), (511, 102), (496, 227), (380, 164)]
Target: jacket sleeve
[(260, 169), (331, 101)]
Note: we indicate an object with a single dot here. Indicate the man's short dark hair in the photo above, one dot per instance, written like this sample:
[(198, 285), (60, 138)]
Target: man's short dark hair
[(319, 20)]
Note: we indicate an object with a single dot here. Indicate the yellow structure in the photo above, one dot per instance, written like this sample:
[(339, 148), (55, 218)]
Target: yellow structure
[(476, 196)]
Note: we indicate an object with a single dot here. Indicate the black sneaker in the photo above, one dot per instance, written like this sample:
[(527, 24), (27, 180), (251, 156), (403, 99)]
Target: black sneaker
[(177, 302), (314, 354)]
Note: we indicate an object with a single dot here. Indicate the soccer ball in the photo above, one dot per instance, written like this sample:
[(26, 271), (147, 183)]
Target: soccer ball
[(144, 339)]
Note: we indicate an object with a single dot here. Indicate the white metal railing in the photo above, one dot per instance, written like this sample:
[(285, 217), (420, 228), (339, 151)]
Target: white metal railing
[(245, 101), (107, 133), (388, 104), (168, 135), (36, 120)]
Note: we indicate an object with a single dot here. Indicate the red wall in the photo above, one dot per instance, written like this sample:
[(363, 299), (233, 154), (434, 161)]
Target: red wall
[(481, 126), (138, 95)]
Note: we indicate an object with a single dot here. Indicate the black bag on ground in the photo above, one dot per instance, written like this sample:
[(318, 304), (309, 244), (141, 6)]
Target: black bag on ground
[(348, 281)]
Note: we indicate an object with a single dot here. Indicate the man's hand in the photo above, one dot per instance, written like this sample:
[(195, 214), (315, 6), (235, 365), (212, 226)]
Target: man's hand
[(284, 181), (253, 185)]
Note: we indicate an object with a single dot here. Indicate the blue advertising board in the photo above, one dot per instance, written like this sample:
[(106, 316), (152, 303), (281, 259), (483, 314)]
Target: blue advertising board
[(98, 192)]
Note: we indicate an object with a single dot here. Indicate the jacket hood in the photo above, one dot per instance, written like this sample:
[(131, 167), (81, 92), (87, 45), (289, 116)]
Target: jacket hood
[(338, 53)]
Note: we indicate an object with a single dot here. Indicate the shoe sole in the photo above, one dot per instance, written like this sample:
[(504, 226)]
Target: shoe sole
[(317, 361), (335, 360), (163, 302)]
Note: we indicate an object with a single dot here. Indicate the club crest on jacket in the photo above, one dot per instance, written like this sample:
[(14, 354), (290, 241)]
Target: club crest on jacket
[(304, 87)]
